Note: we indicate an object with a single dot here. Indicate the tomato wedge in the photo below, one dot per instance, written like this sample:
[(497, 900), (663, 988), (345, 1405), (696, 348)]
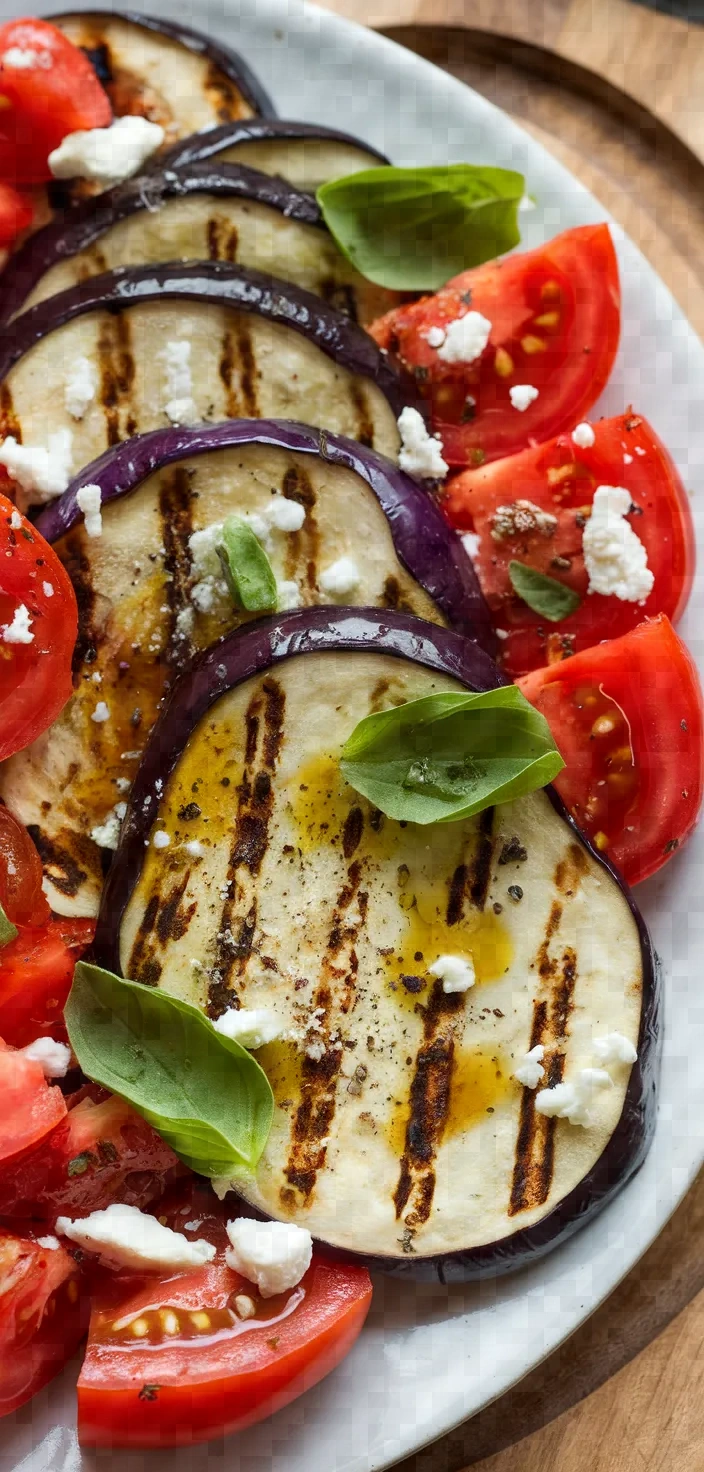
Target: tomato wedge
[(44, 1316), (555, 319), (21, 893), (16, 213), (36, 970), (560, 479), (35, 673), (48, 88), (30, 1106), (628, 719)]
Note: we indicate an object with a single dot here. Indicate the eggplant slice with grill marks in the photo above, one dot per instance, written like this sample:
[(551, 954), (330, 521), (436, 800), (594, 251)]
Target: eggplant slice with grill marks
[(202, 211), (259, 348), (399, 1133), (146, 607), (305, 154)]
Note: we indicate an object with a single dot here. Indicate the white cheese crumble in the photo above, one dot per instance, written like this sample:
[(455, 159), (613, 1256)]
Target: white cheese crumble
[(530, 1067), (471, 543), (573, 1100), (615, 1048), (101, 713), (614, 556), (194, 849), (16, 521), (161, 839), (49, 1243), (285, 515), (522, 395), (628, 459), (456, 972), (55, 1058), (583, 436), (176, 357), (107, 834), (253, 1027), (48, 590), (80, 388), (435, 336), (18, 632), (340, 578), (420, 453), (23, 58), (274, 1255), (125, 1237), (465, 338), (89, 501), (288, 595), (107, 155), (41, 473)]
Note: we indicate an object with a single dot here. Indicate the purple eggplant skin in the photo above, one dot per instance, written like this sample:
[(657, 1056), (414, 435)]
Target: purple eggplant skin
[(260, 647), (227, 286), (201, 146), (83, 224), (223, 57), (425, 544)]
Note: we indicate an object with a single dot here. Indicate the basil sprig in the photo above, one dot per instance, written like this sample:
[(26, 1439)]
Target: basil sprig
[(450, 755), (412, 229), (204, 1093), (246, 568), (8, 931), (550, 598)]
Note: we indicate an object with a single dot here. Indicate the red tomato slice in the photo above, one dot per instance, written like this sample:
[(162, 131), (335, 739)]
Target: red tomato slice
[(555, 318), (35, 678), (44, 1316), (560, 479), (48, 88), (628, 719), (30, 1106), (16, 213), (36, 971), (21, 893)]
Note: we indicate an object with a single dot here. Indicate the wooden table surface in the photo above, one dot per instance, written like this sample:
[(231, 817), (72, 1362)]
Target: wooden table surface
[(617, 92)]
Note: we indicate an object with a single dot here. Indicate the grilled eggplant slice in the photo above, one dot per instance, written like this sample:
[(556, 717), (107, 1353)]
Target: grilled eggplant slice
[(400, 1133), (139, 625), (259, 348), (198, 212), (306, 154)]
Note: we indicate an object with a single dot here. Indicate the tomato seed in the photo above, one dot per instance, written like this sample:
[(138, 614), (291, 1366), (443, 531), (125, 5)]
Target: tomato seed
[(604, 725), (532, 344), (503, 363), (200, 1320), (140, 1328)]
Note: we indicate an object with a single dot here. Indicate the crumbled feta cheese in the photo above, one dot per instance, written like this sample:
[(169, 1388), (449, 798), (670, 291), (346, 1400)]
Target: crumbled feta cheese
[(583, 436), (16, 521), (435, 336), (107, 834), (340, 578), (628, 459), (48, 590), (49, 1243), (18, 632), (180, 407), (194, 849), (41, 473), (456, 972), (522, 395), (285, 515), (161, 839), (80, 388), (465, 338), (206, 594), (101, 712), (125, 1237), (471, 543), (615, 1048), (316, 1050), (252, 1027), (614, 556), (521, 519), (573, 1100), (530, 1067), (107, 155), (288, 595), (55, 1058), (23, 58), (89, 501), (420, 453), (274, 1255)]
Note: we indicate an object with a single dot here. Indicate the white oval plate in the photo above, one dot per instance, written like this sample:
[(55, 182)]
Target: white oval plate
[(429, 1356)]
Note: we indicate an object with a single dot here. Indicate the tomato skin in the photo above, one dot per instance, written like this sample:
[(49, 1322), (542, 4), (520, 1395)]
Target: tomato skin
[(16, 213), (36, 970), (539, 476), (21, 893), (44, 1316), (30, 1106), (60, 94), (648, 677), (35, 678), (555, 315)]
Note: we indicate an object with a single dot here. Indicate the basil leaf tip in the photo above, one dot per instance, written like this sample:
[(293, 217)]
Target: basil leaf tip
[(547, 596), (8, 931), (412, 229), (246, 567), (203, 1092), (448, 756)]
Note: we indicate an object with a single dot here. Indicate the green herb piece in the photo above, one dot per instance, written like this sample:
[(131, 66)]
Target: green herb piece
[(548, 597), (8, 931), (81, 1163), (247, 570), (204, 1093), (412, 229), (448, 756)]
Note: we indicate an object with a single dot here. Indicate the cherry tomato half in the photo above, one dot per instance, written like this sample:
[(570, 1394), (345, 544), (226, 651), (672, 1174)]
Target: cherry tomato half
[(44, 1316), (48, 88)]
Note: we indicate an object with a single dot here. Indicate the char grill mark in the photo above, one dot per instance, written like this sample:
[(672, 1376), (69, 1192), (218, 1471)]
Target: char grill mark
[(62, 866), (226, 369), (365, 423), (430, 1092), (117, 373), (472, 880), (248, 372), (165, 919), (223, 239), (303, 547), (176, 512), (79, 570), (9, 423), (223, 96)]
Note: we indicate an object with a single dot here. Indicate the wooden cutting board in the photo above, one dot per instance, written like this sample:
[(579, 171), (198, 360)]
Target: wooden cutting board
[(615, 92)]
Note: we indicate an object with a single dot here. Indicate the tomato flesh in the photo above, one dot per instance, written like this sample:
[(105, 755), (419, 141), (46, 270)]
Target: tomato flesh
[(21, 893), (628, 719), (44, 1316), (30, 1106), (560, 479), (36, 970), (16, 213), (48, 88), (555, 319)]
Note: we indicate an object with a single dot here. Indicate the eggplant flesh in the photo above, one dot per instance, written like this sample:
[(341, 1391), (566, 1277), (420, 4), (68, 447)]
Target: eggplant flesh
[(399, 1132), (299, 152)]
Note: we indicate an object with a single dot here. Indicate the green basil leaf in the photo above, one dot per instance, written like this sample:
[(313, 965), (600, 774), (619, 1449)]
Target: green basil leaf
[(412, 229), (8, 931), (447, 756), (204, 1093), (246, 567), (546, 596)]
